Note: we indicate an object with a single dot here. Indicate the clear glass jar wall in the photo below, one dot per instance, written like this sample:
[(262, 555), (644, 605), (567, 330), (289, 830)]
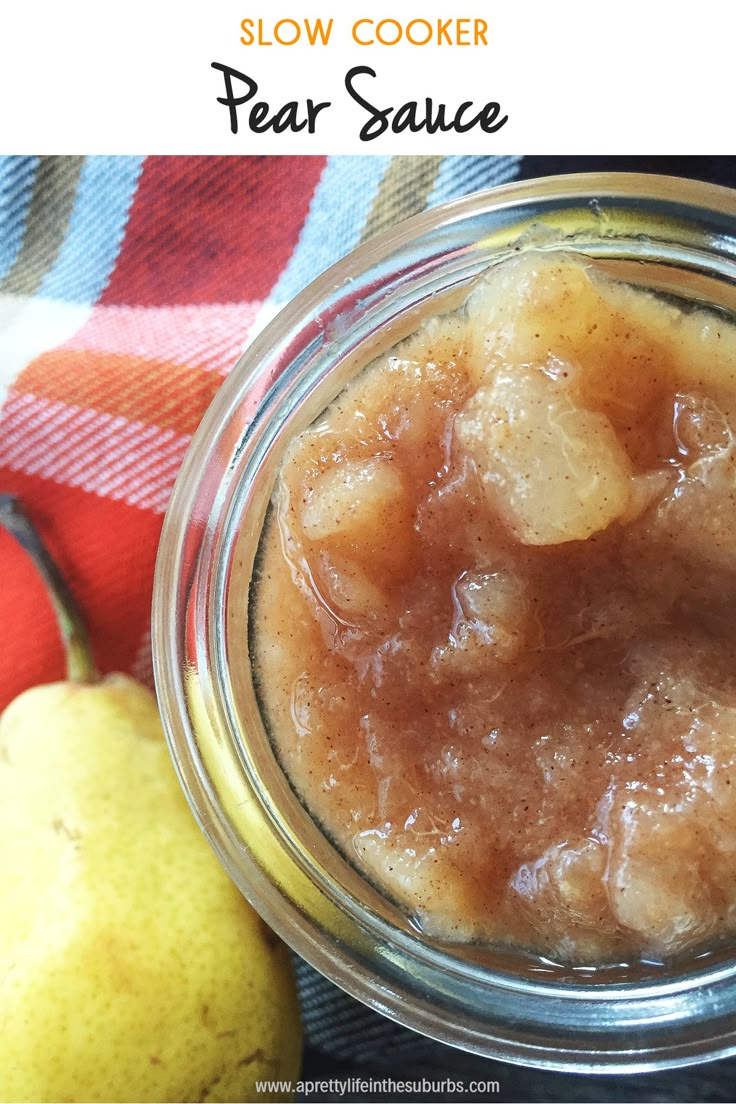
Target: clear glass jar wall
[(670, 235)]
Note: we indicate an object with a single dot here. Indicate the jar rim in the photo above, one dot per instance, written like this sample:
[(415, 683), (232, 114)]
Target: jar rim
[(194, 537)]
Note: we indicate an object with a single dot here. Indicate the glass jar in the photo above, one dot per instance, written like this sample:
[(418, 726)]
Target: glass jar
[(675, 236)]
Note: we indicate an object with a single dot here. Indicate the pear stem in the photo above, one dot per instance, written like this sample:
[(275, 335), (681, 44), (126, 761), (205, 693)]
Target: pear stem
[(80, 666)]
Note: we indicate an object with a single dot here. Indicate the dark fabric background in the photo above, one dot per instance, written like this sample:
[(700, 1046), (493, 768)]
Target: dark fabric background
[(345, 1040)]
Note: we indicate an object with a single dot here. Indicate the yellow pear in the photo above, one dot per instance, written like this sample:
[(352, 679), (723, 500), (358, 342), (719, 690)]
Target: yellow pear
[(131, 969)]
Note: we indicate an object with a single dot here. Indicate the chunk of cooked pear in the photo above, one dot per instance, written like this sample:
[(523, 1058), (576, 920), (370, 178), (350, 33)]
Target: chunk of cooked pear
[(555, 471)]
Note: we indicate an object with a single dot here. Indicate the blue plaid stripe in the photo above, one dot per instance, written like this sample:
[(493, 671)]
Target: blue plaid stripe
[(96, 229), (17, 176), (339, 209), (460, 175)]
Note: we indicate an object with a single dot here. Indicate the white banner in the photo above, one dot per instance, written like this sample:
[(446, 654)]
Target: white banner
[(232, 76)]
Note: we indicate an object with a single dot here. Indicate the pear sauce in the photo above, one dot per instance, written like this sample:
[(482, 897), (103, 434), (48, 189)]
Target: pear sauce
[(494, 626)]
